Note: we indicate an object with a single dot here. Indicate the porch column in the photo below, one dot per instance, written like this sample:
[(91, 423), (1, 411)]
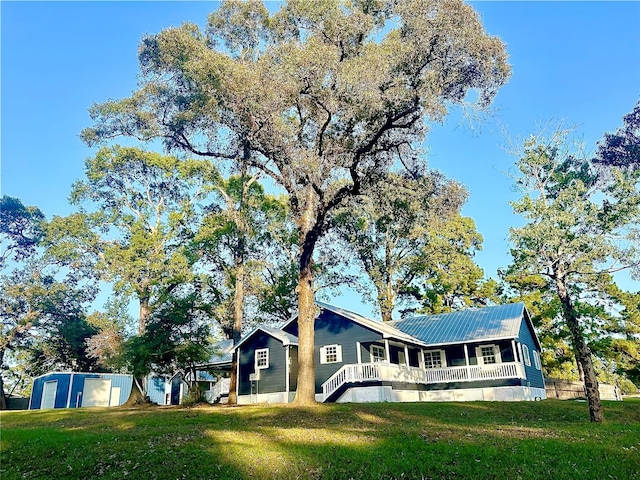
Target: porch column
[(358, 353), (421, 359), (387, 351), (406, 356), (515, 351), (466, 359)]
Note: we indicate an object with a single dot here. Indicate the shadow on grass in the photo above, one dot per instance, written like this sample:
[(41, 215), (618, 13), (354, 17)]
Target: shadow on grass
[(370, 441)]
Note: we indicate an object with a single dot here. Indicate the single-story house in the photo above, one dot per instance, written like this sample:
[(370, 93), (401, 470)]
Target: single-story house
[(489, 353), (80, 389)]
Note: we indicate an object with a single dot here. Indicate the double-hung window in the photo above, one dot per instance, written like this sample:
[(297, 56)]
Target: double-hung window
[(331, 354), (377, 353), (262, 358), (434, 359), (488, 354)]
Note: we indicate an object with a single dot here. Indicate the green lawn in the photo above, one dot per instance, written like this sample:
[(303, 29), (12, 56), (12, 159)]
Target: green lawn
[(480, 440)]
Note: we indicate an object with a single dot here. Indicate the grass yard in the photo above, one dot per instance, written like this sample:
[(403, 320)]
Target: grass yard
[(481, 440)]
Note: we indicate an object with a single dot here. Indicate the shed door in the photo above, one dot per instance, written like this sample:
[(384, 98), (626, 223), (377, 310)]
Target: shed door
[(49, 394), (114, 401), (96, 392)]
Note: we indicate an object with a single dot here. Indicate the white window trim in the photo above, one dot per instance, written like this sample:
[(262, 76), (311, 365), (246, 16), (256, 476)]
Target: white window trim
[(380, 348), (536, 360), (526, 356), (323, 353), (496, 352), (260, 350), (443, 358)]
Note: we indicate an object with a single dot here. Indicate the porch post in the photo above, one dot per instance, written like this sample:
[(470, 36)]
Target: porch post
[(387, 351), (515, 352), (406, 356), (466, 359), (358, 353), (421, 359)]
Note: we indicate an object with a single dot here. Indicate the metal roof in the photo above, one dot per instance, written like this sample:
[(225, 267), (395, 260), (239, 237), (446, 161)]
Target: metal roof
[(222, 352), (284, 337), (502, 321), (386, 329)]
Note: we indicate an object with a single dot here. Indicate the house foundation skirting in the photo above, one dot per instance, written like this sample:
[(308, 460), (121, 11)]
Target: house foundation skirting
[(276, 397), (385, 393)]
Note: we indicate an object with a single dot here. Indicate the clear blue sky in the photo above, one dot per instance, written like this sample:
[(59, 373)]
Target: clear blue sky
[(572, 61)]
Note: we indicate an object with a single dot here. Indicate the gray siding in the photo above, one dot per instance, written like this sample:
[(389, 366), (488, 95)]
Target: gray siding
[(272, 379), (330, 329), (534, 376)]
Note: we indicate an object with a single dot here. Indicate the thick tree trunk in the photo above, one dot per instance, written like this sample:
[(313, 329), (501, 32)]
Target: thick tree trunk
[(306, 391), (238, 309), (143, 316), (579, 366), (583, 353), (386, 302)]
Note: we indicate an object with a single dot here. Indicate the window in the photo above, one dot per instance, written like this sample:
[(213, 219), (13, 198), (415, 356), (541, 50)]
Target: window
[(331, 354), (262, 358), (488, 354), (402, 359), (434, 359), (525, 355), (377, 353), (536, 359)]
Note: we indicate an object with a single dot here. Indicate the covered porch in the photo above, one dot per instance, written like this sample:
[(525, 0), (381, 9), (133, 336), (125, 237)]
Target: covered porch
[(401, 363)]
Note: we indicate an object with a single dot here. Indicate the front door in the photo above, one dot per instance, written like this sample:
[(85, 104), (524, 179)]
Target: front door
[(175, 390)]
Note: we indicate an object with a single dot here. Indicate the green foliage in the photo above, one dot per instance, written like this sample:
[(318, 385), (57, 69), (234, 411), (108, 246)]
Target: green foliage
[(582, 227), (622, 148), (176, 338), (20, 230), (409, 238), (44, 325), (319, 96), (478, 440), (144, 212)]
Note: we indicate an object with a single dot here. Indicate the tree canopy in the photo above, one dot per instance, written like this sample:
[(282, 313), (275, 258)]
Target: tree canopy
[(320, 96), (622, 148), (580, 229), (136, 212), (20, 230), (409, 238)]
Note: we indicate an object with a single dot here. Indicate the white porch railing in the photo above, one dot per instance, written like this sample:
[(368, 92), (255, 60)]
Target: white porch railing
[(357, 373), (219, 389)]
